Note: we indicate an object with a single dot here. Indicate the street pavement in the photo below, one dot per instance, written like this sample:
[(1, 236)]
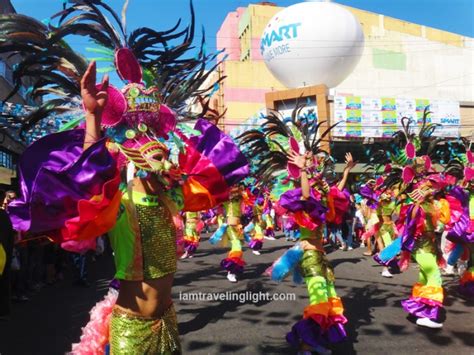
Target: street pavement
[(51, 321)]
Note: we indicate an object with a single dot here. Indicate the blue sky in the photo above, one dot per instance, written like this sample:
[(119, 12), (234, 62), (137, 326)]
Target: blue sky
[(450, 15)]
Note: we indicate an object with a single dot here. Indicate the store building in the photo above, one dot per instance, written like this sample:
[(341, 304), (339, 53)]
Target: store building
[(400, 60)]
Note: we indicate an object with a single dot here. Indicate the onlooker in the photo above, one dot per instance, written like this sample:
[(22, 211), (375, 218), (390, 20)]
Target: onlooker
[(359, 223), (79, 261), (7, 236)]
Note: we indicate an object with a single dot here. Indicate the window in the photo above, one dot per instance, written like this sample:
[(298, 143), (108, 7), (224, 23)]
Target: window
[(6, 160), (3, 68)]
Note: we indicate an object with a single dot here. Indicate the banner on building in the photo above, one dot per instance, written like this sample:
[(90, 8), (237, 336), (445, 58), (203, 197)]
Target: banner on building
[(370, 117)]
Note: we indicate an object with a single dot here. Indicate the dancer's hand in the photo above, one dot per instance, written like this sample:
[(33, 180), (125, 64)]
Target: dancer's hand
[(350, 163), (94, 100), (301, 161)]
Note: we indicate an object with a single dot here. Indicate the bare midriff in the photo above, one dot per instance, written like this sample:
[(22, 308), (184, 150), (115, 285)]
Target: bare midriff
[(148, 298), (313, 237)]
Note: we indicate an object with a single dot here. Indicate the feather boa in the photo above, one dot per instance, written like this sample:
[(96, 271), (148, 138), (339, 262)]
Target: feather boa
[(286, 264), (95, 335), (218, 234)]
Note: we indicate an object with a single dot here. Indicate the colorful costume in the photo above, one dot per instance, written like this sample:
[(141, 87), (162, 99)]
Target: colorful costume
[(461, 229), (73, 194), (386, 229), (191, 233), (416, 183), (323, 319), (256, 229), (230, 230)]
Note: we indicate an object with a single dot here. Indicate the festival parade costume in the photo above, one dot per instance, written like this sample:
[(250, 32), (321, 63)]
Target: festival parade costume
[(323, 319), (191, 232), (461, 231), (74, 194), (254, 231), (230, 231), (407, 167)]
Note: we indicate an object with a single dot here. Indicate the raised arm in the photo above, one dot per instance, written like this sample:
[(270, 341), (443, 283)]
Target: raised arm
[(300, 162), (349, 165), (94, 101)]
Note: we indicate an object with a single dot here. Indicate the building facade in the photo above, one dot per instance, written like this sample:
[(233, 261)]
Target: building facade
[(400, 59), (10, 147)]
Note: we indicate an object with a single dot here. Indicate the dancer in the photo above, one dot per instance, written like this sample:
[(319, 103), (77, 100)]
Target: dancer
[(125, 132), (267, 217), (461, 231), (408, 166), (231, 231), (386, 230), (255, 230), (323, 319), (191, 234), (312, 205)]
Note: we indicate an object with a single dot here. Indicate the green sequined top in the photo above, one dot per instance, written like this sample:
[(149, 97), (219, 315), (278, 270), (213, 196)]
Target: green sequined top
[(386, 208), (143, 239)]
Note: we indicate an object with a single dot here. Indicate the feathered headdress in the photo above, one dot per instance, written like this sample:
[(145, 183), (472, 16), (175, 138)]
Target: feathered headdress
[(269, 146), (461, 160), (408, 158), (141, 55)]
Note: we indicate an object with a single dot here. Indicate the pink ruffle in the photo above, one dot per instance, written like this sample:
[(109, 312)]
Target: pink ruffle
[(341, 203), (95, 335)]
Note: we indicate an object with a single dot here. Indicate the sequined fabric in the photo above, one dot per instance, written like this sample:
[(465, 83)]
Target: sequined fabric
[(143, 239), (430, 222), (132, 334), (232, 208), (314, 263), (158, 237)]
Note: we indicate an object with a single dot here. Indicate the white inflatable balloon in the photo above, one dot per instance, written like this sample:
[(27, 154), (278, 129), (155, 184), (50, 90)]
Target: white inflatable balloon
[(312, 43)]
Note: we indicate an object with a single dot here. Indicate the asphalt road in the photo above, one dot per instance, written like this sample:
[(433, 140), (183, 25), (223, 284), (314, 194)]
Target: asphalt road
[(52, 319)]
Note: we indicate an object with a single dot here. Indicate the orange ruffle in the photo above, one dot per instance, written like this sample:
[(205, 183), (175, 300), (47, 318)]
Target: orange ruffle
[(97, 215), (337, 309), (317, 309), (333, 307), (191, 238), (235, 254), (196, 196), (468, 276), (304, 220), (434, 293)]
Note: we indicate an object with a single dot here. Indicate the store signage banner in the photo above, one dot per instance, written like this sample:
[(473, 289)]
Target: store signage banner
[(370, 117)]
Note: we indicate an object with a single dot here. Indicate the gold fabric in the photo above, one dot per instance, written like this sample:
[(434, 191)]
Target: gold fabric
[(158, 237), (314, 263), (314, 236), (132, 334)]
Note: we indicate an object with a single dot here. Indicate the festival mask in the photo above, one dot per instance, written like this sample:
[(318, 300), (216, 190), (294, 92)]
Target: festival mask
[(150, 156)]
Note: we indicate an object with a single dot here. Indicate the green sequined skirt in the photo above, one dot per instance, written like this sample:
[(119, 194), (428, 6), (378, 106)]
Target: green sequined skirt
[(132, 334)]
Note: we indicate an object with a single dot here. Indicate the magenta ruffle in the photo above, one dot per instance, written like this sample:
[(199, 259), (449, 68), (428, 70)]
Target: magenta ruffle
[(255, 244), (234, 265), (422, 308), (467, 290), (310, 332), (55, 173)]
